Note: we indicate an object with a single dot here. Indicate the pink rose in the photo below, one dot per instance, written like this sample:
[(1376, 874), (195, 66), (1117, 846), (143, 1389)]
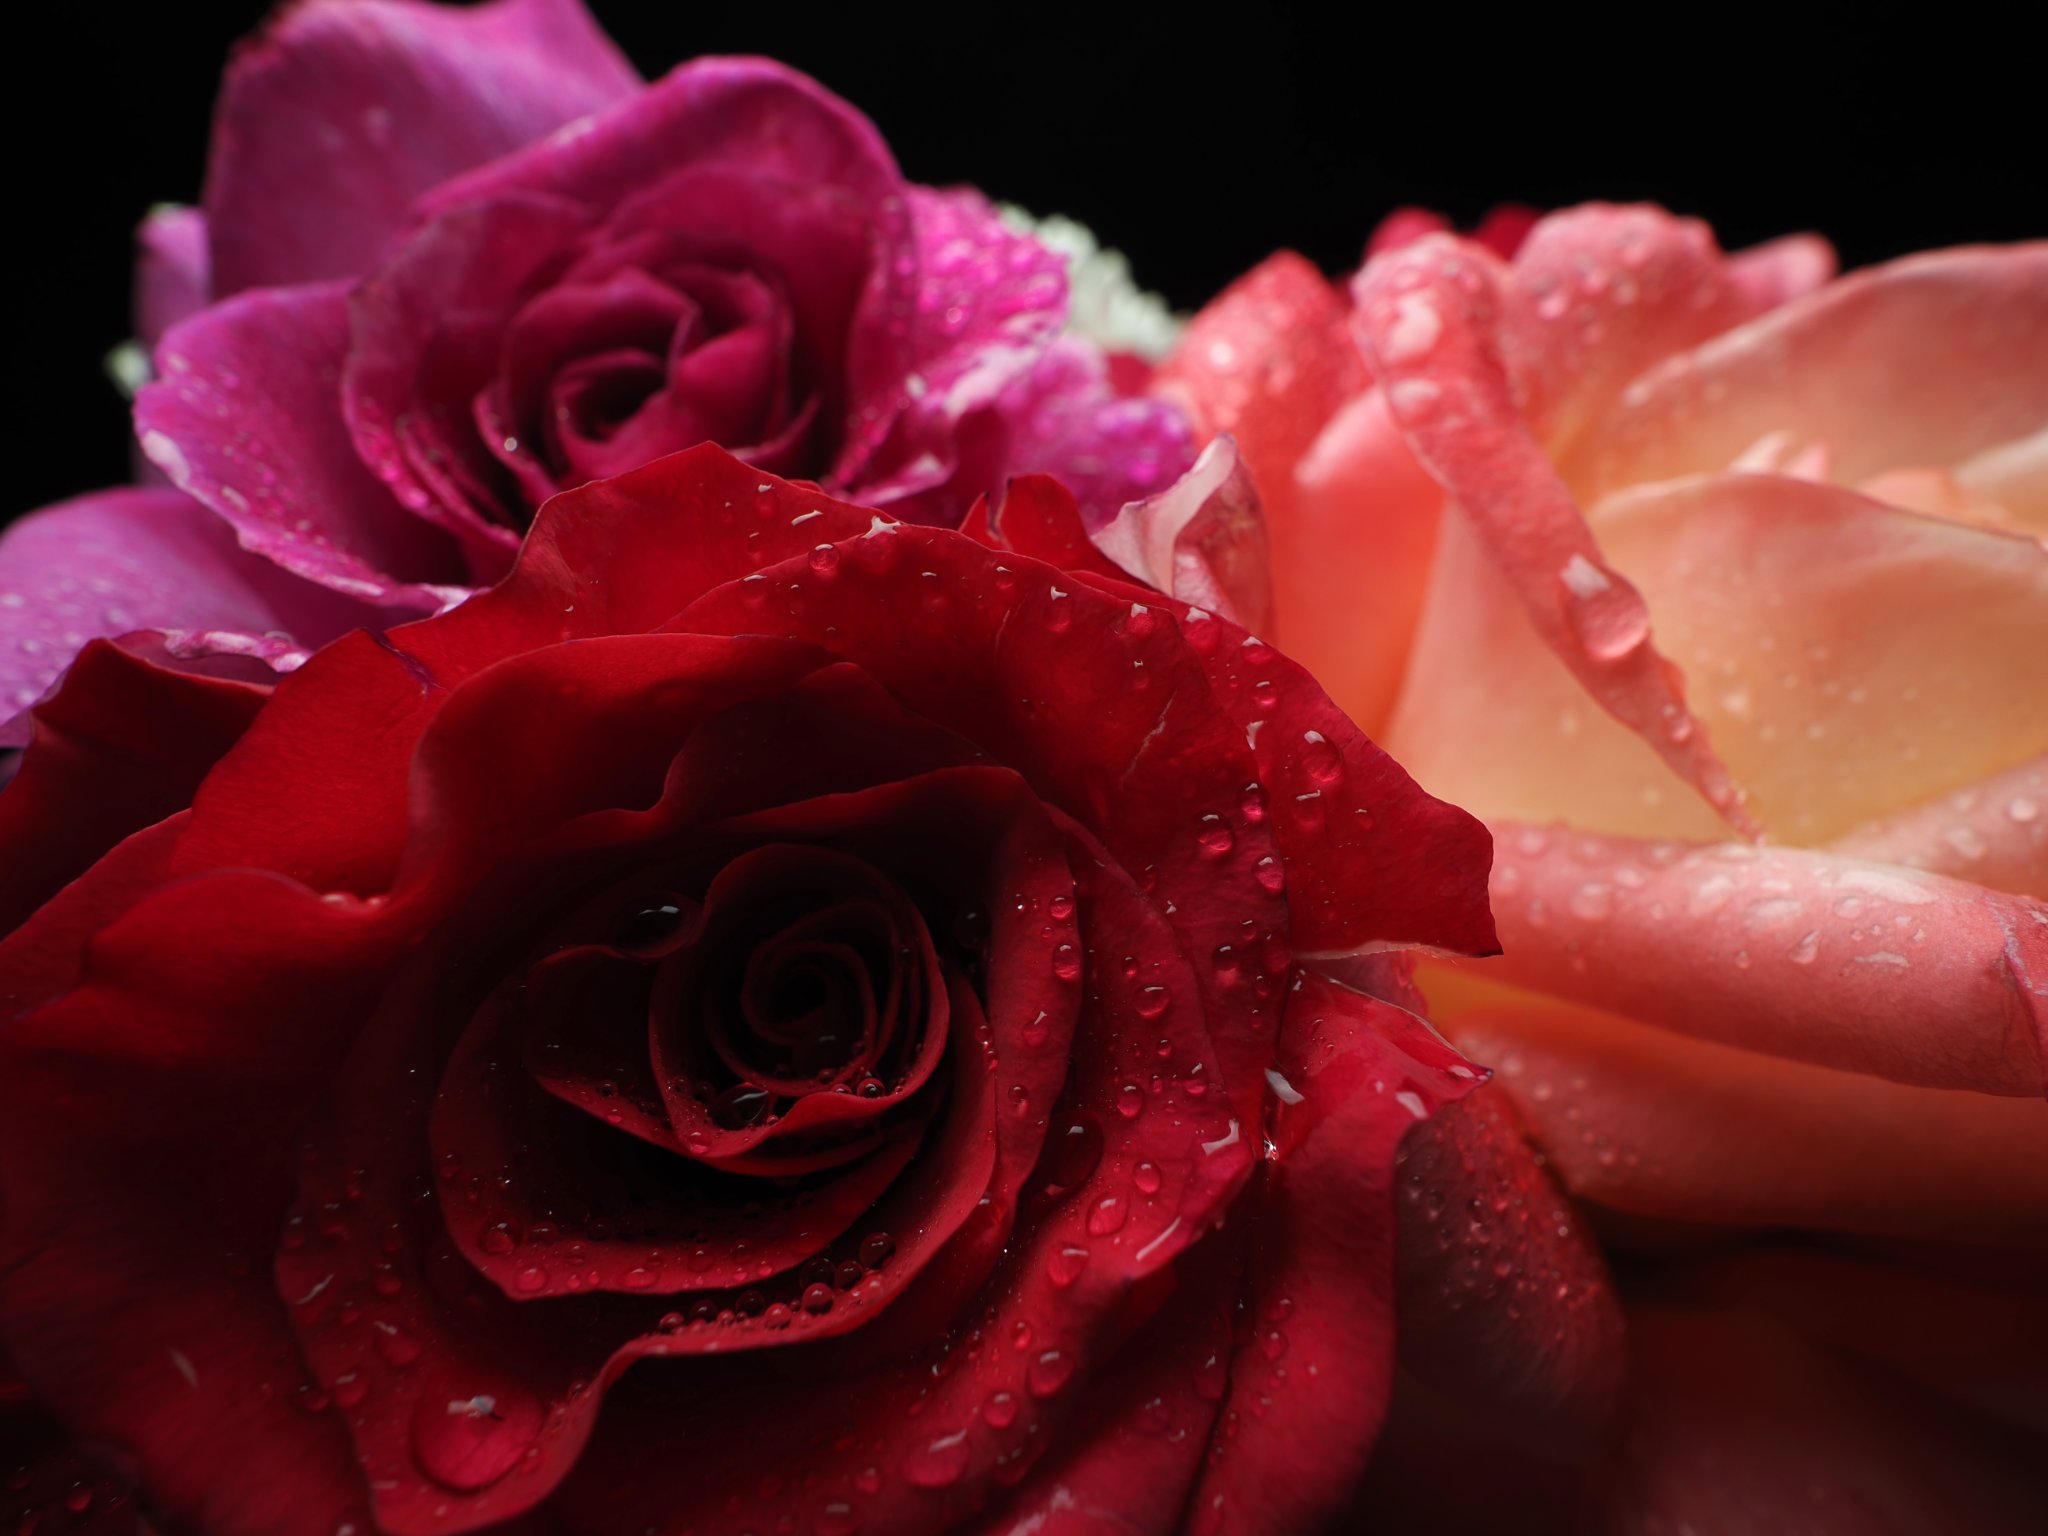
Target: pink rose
[(452, 261), (1716, 585)]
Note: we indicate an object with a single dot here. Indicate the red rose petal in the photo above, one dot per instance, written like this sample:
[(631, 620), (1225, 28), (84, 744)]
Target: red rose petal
[(1310, 1374), (1506, 1303), (150, 1118), (121, 745)]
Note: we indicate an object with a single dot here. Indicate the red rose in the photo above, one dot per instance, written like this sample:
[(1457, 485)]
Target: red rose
[(855, 1003)]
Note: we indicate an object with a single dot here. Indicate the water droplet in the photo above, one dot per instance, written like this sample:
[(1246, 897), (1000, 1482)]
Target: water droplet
[(1804, 952), (938, 1463), (876, 1248), (1048, 1371), (1147, 1178), (1066, 962), (649, 925), (1151, 1002), (1066, 1264), (1592, 902), (1321, 759), (1215, 837), (1106, 1216), (742, 1105), (1130, 1101), (1000, 1409), (467, 1443), (1074, 1155)]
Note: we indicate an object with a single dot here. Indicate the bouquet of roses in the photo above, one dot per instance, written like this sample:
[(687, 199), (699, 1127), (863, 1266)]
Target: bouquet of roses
[(712, 850)]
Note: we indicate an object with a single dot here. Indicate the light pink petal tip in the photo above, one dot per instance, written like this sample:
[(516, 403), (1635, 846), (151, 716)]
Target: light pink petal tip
[(1868, 968), (1429, 318), (1202, 539), (341, 112)]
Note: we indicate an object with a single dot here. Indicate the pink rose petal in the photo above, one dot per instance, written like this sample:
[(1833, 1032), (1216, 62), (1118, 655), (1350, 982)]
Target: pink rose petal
[(1993, 832), (1781, 270), (1864, 967), (341, 112), (1644, 1121), (242, 416), (146, 560), (1202, 539), (1429, 317), (173, 272)]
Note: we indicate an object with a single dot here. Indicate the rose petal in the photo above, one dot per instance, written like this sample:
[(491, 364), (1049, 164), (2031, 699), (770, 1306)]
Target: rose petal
[(1431, 318), (2013, 476), (623, 556), (1976, 1338), (1309, 1379), (1326, 786), (341, 112), (1808, 956), (1203, 539), (1783, 601), (242, 416), (1353, 536), (1781, 270), (425, 337), (1076, 1274), (117, 562), (1638, 1119), (1994, 833), (173, 274), (1596, 295), (1027, 664), (149, 1122), (989, 301), (1506, 1305), (1490, 718), (1733, 1416), (1065, 418), (120, 746), (1826, 368), (1268, 361)]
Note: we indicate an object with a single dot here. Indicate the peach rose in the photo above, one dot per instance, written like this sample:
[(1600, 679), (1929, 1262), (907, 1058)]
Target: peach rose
[(1716, 584)]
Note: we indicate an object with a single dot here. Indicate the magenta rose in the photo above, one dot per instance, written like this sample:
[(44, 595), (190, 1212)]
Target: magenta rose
[(451, 262)]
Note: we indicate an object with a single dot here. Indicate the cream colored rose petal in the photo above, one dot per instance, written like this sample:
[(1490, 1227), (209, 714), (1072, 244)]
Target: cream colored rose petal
[(1924, 362), (1848, 657), (1490, 719), (1993, 832)]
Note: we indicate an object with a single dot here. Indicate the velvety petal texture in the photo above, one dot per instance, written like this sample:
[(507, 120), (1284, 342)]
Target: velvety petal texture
[(820, 1067)]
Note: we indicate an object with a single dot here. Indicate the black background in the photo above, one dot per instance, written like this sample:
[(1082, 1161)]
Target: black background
[(1195, 146)]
